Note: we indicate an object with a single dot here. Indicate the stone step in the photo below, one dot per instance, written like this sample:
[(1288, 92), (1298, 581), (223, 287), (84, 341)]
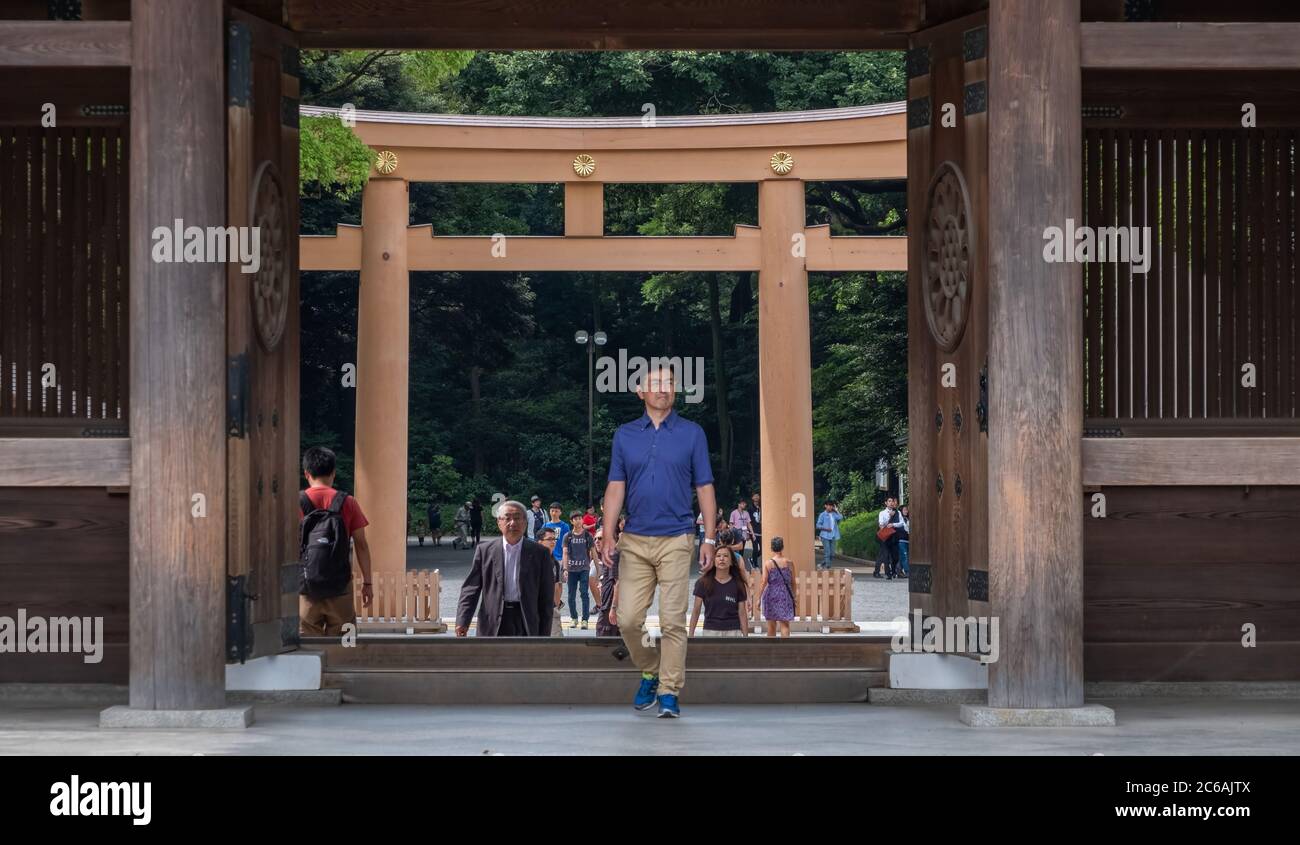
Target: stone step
[(599, 686), (398, 652), (411, 670)]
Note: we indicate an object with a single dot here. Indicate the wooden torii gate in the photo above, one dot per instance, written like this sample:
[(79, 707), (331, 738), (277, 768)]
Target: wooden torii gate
[(779, 151)]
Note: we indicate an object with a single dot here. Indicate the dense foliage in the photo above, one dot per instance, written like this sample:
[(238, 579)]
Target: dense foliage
[(498, 397)]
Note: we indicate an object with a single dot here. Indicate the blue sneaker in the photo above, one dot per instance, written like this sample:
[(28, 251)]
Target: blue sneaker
[(645, 696), (668, 708)]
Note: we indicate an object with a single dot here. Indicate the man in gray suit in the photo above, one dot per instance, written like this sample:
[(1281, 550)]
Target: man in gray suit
[(512, 582)]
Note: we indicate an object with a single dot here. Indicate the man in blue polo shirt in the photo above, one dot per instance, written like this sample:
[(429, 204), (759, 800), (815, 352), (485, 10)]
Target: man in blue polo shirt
[(656, 463)]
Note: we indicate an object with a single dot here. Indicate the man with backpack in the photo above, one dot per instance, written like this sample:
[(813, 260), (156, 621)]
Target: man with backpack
[(536, 519), (332, 524)]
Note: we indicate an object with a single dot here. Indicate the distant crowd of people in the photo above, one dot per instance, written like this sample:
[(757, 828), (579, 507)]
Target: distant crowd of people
[(612, 564)]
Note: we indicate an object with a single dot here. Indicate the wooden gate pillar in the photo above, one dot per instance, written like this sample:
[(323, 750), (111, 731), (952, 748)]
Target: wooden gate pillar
[(785, 374), (178, 369), (383, 366), (1035, 357)]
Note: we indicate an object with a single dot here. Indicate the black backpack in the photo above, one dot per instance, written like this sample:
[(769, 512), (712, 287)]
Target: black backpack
[(324, 549)]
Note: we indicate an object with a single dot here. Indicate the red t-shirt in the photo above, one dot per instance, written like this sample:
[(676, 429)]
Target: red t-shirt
[(589, 521), (353, 518)]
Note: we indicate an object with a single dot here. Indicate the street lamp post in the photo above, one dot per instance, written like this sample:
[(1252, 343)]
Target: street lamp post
[(591, 342)]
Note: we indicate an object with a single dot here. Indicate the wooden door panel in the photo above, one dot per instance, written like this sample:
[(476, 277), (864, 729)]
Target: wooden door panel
[(262, 321), (948, 317)]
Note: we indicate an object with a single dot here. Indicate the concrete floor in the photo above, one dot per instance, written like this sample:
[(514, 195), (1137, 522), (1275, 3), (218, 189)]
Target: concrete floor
[(1182, 726)]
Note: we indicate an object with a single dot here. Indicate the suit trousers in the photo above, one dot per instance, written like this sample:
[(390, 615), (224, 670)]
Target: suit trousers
[(644, 564), (512, 621)]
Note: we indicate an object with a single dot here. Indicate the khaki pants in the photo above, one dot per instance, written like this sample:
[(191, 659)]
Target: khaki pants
[(645, 563), (557, 629), (326, 617)]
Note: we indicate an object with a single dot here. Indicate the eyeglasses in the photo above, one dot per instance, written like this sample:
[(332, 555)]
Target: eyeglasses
[(510, 517)]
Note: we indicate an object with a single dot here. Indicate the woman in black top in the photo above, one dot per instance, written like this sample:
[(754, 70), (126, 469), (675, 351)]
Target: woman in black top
[(721, 592)]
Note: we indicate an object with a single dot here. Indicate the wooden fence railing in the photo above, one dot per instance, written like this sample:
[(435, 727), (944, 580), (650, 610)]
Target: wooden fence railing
[(405, 602), (823, 602)]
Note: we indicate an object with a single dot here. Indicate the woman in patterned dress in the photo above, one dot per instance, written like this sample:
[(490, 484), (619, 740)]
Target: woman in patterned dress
[(777, 590)]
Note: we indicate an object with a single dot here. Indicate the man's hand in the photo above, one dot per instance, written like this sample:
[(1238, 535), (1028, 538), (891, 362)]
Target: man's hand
[(461, 630), (607, 554), (707, 553), (613, 616), (367, 594)]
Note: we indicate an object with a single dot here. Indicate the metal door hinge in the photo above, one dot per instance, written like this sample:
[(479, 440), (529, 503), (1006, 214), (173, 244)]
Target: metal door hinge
[(982, 407), (237, 395), (239, 626)]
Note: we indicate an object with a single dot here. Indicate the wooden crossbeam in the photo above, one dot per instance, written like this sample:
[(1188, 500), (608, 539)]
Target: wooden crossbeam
[(340, 251), (828, 254), (1126, 461), (1190, 46), (604, 254), (842, 162), (609, 25), (66, 461), (65, 44), (595, 254)]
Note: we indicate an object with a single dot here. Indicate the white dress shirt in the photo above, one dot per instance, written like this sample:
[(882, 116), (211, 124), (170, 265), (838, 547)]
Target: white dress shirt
[(512, 568)]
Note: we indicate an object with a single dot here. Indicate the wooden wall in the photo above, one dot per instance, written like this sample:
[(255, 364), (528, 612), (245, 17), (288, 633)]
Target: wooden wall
[(63, 279), (1171, 575), (1170, 344), (64, 552)]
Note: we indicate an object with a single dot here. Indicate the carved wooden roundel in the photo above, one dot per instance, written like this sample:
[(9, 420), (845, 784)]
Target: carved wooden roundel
[(949, 256), (268, 211)]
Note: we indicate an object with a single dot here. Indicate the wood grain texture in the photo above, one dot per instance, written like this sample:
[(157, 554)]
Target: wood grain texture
[(1035, 356), (383, 367), (1194, 661), (65, 461), (922, 371), (1191, 460), (584, 209), (49, 44), (614, 25), (951, 526), (64, 553), (1173, 574), (1191, 46), (785, 371), (178, 342)]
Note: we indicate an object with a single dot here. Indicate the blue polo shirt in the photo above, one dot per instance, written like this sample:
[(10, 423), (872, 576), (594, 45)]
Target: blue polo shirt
[(662, 467)]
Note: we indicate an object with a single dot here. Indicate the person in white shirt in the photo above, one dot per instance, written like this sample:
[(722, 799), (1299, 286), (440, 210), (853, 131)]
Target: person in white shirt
[(888, 554)]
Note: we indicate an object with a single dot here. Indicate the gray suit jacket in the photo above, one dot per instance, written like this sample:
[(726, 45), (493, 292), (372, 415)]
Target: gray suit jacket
[(485, 588)]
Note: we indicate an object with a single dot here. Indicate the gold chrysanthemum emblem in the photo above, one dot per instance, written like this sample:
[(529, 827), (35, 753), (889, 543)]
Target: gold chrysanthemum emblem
[(584, 165), (782, 163), (386, 161)]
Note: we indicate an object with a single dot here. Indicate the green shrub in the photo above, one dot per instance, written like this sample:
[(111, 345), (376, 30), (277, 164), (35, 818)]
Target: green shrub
[(858, 536)]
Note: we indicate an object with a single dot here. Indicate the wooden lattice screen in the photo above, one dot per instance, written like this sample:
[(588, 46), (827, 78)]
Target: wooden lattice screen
[(1221, 291), (63, 275)]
